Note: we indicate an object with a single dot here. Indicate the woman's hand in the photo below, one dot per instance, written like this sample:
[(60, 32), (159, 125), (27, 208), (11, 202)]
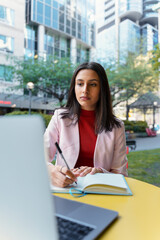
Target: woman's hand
[(84, 170), (61, 176)]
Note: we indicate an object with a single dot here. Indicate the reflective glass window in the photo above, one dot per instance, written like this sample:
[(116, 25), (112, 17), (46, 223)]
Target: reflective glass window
[(48, 2), (47, 11), (6, 44), (57, 45), (49, 44), (30, 42), (28, 53), (55, 25), (73, 23), (79, 26), (55, 15), (2, 12), (55, 4), (68, 21), (61, 27), (6, 73), (39, 12), (7, 15), (73, 32), (40, 18), (61, 7), (61, 17), (84, 32), (34, 10), (40, 8), (68, 30), (1, 72), (47, 15)]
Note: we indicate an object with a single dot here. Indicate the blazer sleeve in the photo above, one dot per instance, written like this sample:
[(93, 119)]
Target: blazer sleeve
[(119, 161), (51, 136)]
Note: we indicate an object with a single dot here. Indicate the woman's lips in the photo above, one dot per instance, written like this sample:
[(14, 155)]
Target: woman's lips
[(84, 98)]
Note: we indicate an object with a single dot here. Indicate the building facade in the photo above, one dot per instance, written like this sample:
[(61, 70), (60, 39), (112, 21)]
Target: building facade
[(37, 28), (127, 26), (12, 20), (63, 28)]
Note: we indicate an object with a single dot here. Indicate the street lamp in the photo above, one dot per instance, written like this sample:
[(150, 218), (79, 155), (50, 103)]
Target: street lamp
[(30, 86), (154, 108)]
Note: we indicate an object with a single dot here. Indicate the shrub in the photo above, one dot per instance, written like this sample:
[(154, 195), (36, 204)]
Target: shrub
[(135, 126)]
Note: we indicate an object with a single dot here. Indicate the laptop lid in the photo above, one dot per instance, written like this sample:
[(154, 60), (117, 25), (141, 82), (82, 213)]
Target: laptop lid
[(27, 208), (26, 205)]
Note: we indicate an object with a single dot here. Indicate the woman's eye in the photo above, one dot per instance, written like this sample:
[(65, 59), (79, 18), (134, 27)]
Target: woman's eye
[(93, 84), (79, 84)]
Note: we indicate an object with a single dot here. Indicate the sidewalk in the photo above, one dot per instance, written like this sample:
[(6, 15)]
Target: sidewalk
[(147, 143)]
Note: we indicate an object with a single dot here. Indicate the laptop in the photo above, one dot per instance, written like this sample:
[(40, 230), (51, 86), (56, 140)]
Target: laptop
[(28, 210)]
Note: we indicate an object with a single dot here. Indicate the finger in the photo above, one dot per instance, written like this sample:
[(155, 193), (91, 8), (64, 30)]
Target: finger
[(86, 171), (79, 170), (73, 169), (93, 171), (96, 170), (64, 182), (69, 173)]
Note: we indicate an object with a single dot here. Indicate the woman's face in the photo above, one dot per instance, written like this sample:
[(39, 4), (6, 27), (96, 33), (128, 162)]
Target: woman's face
[(87, 89)]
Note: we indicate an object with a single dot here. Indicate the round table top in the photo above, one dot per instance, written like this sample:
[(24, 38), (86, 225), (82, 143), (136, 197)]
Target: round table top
[(139, 215)]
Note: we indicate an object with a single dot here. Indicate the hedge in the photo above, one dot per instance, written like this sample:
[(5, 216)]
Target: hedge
[(135, 126)]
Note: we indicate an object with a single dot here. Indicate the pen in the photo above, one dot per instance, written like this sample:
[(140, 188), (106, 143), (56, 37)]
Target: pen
[(60, 151)]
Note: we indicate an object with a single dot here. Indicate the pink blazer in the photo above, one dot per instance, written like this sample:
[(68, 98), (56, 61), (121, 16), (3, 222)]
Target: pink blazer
[(110, 149)]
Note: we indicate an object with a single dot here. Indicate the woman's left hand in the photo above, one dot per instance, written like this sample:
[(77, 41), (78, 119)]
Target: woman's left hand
[(84, 170)]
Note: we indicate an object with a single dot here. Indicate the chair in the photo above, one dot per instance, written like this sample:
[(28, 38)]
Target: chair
[(131, 144), (150, 132), (127, 151)]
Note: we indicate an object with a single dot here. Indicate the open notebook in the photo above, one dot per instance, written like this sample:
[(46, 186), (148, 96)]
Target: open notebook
[(99, 183)]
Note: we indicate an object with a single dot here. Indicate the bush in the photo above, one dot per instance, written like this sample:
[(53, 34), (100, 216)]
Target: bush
[(135, 126), (45, 117)]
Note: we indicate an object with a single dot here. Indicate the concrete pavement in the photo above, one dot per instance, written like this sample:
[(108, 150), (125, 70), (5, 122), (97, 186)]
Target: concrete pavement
[(147, 143)]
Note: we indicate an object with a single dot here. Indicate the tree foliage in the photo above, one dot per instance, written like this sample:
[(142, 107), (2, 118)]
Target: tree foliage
[(132, 77), (155, 59), (51, 76)]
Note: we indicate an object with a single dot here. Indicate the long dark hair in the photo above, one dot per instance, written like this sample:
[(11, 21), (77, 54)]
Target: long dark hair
[(105, 119)]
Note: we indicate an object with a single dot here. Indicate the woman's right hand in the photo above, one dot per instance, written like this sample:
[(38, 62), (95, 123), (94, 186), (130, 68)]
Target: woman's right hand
[(61, 176)]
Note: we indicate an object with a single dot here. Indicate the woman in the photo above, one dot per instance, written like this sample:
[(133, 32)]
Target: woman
[(91, 137)]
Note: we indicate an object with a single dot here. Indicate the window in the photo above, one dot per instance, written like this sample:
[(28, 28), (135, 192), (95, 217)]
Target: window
[(55, 4), (6, 73), (7, 15), (47, 15), (40, 12), (61, 17), (2, 72), (55, 19), (30, 41), (48, 2), (49, 44), (6, 44)]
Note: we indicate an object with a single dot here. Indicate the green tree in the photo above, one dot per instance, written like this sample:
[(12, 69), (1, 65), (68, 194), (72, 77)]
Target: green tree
[(155, 59), (131, 78), (51, 76), (135, 76)]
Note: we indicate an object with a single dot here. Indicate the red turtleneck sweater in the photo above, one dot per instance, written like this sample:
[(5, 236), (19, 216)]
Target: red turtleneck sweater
[(87, 138)]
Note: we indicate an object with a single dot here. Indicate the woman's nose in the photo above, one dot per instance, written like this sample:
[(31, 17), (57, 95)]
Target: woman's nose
[(85, 88)]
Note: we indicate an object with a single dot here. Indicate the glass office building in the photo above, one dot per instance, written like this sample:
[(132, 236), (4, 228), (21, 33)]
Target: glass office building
[(125, 24), (38, 28), (61, 27)]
